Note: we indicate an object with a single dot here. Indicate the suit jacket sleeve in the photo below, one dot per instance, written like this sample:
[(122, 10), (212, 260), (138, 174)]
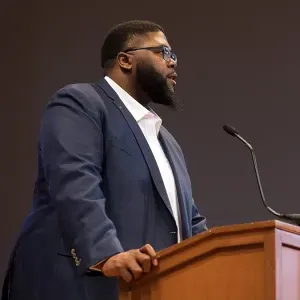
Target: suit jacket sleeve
[(198, 221), (71, 144)]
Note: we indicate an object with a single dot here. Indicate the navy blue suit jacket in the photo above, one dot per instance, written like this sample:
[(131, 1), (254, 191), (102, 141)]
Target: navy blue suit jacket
[(98, 192)]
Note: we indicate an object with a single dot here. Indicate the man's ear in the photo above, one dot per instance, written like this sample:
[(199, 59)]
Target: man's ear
[(125, 61)]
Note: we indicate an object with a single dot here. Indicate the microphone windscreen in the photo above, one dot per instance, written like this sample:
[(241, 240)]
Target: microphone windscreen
[(230, 130)]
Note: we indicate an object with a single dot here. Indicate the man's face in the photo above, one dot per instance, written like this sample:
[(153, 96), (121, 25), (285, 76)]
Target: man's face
[(155, 70)]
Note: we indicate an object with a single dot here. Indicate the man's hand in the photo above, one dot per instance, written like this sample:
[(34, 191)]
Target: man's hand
[(131, 264)]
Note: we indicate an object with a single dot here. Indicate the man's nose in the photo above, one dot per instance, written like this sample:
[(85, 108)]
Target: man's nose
[(172, 63)]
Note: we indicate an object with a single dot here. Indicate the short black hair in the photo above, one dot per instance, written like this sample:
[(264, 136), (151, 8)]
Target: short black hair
[(119, 36)]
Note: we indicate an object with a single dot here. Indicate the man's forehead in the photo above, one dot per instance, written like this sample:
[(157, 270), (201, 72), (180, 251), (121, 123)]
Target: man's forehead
[(150, 39), (158, 38)]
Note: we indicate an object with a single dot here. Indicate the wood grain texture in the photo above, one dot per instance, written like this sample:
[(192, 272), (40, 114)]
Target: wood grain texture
[(246, 261)]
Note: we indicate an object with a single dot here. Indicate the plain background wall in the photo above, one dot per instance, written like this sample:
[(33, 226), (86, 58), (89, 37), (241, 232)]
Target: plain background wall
[(239, 63)]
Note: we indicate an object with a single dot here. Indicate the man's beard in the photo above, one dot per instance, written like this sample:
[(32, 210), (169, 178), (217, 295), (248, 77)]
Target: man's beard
[(156, 86)]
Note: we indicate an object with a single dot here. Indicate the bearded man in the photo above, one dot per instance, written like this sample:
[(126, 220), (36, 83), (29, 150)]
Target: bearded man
[(112, 186)]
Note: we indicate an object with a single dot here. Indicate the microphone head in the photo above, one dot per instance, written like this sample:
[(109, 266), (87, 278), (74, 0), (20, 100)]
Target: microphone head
[(230, 130), (295, 217)]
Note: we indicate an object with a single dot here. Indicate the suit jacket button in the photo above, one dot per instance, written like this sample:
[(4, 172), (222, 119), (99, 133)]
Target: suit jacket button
[(77, 262)]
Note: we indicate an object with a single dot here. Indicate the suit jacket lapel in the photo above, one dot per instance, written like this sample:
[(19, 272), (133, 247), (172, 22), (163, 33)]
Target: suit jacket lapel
[(141, 140), (171, 154)]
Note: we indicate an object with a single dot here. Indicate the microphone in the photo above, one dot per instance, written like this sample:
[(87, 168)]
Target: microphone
[(295, 218)]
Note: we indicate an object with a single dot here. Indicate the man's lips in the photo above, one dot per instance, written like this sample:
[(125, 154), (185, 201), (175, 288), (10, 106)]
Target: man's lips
[(172, 77)]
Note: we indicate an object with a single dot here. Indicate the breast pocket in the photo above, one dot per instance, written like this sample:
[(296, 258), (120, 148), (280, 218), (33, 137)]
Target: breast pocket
[(121, 148), (125, 162), (122, 145)]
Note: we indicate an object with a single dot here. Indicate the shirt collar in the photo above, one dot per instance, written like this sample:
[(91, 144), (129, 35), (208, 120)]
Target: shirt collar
[(137, 110)]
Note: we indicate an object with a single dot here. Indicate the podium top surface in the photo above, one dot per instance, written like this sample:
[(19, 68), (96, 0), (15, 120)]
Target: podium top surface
[(217, 238), (231, 229)]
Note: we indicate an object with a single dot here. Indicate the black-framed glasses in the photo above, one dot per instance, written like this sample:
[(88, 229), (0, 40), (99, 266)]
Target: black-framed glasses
[(166, 52)]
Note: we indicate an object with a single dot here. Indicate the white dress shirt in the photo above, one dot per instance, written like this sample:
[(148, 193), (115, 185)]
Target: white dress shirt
[(149, 124)]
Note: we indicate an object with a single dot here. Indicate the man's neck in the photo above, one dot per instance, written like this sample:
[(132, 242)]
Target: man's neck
[(131, 89)]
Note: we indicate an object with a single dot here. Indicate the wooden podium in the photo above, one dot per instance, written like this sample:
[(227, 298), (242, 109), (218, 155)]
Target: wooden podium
[(258, 261)]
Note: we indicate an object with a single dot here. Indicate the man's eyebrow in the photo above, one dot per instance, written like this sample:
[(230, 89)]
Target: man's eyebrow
[(164, 45)]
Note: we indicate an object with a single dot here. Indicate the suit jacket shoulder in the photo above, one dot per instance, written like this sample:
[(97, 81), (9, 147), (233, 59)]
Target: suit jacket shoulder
[(80, 96)]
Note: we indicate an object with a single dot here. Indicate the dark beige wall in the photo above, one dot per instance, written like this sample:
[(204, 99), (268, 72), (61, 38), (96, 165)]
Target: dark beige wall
[(238, 63)]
